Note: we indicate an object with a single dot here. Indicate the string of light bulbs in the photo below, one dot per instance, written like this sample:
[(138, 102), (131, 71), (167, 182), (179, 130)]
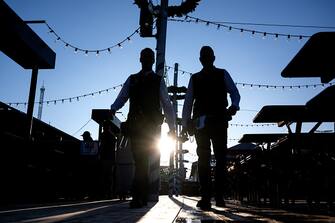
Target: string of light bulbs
[(252, 125), (233, 139), (251, 85), (219, 25), (77, 49), (69, 99), (267, 86)]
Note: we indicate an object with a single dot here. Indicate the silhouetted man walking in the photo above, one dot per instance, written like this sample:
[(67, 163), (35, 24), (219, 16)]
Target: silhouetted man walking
[(207, 96), (147, 93)]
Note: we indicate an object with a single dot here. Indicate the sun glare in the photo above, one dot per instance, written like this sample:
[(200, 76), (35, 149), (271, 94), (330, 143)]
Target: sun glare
[(165, 145)]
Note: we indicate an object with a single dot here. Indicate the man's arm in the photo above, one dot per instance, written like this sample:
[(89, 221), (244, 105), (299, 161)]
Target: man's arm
[(188, 104), (167, 106), (233, 91), (122, 97)]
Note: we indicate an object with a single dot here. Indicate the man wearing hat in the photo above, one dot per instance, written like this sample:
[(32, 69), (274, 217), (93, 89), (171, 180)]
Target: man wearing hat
[(87, 136)]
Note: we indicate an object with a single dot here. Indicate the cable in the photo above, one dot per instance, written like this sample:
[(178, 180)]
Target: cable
[(249, 110), (81, 127), (267, 86), (86, 51), (70, 99), (273, 25), (251, 125), (190, 19)]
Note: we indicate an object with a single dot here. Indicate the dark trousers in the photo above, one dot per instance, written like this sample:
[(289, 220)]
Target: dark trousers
[(143, 143), (215, 132)]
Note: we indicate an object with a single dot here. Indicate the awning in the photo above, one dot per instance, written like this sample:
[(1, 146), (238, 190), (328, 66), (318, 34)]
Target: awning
[(20, 43), (315, 59)]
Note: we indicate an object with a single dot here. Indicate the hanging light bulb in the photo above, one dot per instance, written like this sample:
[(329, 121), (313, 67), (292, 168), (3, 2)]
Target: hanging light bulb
[(86, 52), (264, 35), (253, 33), (57, 39)]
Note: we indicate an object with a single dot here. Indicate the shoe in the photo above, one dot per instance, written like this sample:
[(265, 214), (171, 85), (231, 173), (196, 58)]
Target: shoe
[(135, 204), (220, 203), (204, 205)]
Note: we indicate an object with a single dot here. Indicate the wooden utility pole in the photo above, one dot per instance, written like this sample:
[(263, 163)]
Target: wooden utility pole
[(160, 64), (161, 37)]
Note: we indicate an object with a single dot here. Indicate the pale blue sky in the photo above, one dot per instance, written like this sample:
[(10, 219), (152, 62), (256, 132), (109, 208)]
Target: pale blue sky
[(101, 24)]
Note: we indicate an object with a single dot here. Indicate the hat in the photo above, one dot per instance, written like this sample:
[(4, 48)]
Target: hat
[(86, 133)]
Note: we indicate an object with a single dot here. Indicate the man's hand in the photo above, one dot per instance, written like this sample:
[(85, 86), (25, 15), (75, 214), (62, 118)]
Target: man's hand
[(232, 110), (183, 135)]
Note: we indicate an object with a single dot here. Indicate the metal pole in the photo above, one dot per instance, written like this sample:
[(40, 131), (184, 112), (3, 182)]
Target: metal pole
[(172, 180), (175, 84), (40, 106), (31, 101), (181, 159), (175, 106)]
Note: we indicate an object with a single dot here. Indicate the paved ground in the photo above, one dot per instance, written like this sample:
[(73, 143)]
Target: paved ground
[(176, 209)]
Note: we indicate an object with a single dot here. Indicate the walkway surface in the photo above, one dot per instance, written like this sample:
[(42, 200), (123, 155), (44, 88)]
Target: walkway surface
[(180, 209)]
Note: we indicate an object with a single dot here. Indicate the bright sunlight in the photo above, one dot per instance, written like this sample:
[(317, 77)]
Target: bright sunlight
[(165, 145)]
